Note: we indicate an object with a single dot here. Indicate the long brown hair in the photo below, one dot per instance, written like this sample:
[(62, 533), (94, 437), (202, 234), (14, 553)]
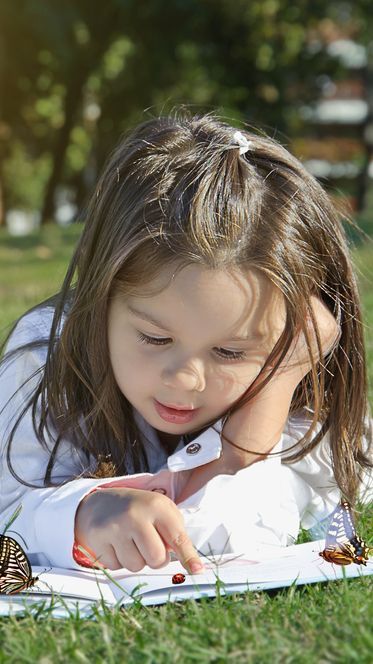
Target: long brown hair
[(177, 190)]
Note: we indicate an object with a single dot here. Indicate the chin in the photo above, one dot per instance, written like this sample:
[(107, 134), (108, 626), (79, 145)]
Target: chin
[(175, 428)]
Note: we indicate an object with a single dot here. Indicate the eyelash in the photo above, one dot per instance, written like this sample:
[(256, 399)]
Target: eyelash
[(163, 341)]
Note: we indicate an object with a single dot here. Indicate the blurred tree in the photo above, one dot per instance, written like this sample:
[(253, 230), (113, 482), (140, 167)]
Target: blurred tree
[(250, 58), (347, 30), (50, 49), (77, 73), (19, 65), (360, 11)]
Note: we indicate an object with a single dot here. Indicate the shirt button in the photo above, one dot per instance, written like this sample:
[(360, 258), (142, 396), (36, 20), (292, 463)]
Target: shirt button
[(193, 448), (160, 490)]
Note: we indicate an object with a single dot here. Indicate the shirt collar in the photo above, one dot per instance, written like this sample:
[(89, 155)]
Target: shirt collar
[(203, 449), (207, 447)]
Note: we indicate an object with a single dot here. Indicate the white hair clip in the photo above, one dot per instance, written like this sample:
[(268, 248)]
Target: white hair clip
[(241, 142)]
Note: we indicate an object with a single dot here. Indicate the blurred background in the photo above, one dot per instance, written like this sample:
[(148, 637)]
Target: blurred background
[(75, 74)]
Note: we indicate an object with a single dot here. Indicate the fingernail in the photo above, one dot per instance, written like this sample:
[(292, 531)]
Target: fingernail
[(195, 566)]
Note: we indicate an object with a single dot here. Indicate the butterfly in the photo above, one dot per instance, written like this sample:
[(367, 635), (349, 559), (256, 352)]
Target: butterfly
[(15, 568), (342, 545)]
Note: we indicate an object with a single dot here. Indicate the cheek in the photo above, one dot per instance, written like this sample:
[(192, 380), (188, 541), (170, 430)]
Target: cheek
[(127, 366), (231, 383)]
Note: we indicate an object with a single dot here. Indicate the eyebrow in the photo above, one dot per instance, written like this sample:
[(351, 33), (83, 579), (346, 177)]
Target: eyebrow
[(145, 316), (154, 321)]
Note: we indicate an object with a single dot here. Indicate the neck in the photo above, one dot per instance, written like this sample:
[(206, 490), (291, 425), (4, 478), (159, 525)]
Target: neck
[(169, 441)]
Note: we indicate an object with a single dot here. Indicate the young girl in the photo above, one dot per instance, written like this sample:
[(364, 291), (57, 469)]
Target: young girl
[(198, 384)]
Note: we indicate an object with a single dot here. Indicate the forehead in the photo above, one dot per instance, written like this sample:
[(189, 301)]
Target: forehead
[(222, 299)]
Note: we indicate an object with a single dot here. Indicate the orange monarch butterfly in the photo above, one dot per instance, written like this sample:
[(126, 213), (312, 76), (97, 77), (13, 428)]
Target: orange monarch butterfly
[(342, 545), (15, 568)]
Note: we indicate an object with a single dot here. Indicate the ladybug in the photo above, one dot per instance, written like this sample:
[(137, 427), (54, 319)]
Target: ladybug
[(178, 578)]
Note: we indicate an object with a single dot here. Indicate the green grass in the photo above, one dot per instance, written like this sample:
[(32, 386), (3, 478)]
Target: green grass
[(32, 268), (323, 623)]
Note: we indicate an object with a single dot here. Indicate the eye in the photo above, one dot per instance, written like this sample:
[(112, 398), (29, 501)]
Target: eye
[(154, 341), (230, 354)]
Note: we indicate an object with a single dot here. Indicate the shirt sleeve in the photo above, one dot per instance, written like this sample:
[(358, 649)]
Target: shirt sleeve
[(252, 512), (312, 478), (46, 520), (264, 505)]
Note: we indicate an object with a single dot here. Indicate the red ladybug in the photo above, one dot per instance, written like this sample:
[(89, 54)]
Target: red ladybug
[(178, 578)]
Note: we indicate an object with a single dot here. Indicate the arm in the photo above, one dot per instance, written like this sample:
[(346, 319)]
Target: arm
[(47, 516), (258, 425), (46, 521)]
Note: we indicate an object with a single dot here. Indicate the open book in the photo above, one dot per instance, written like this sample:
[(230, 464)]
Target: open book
[(64, 590)]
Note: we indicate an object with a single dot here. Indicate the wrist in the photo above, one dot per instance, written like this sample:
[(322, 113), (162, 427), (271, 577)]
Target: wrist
[(255, 428), (234, 457)]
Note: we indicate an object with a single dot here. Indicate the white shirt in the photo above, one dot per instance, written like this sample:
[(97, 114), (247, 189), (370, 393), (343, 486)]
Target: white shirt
[(259, 507)]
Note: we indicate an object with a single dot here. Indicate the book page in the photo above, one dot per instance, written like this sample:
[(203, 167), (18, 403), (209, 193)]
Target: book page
[(294, 564), (74, 584)]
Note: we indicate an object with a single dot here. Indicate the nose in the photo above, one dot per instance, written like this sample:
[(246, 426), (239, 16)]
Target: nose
[(188, 376)]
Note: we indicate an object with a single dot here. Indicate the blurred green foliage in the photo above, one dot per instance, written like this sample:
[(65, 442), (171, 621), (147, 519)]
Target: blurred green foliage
[(75, 74), (26, 177)]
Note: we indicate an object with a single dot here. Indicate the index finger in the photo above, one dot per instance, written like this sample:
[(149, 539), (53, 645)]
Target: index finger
[(180, 543)]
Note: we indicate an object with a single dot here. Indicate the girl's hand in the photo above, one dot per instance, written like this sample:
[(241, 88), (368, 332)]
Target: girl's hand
[(297, 363), (257, 426), (132, 528)]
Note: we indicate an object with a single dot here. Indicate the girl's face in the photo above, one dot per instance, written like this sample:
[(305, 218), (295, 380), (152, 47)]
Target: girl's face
[(182, 357)]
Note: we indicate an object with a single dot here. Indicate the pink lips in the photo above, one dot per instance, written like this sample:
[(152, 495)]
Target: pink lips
[(176, 415)]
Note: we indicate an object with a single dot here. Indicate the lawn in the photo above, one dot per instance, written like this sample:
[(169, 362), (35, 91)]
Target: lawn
[(321, 623)]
